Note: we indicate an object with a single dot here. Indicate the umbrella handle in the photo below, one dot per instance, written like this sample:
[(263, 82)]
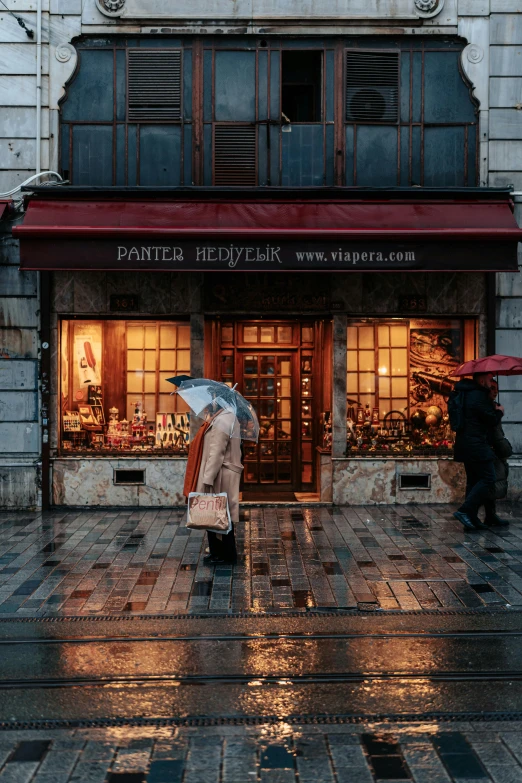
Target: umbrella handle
[(234, 386)]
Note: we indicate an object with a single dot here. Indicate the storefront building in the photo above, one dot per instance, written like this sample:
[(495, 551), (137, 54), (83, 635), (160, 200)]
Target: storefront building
[(319, 231)]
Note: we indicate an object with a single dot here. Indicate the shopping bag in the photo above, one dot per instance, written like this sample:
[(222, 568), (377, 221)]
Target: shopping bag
[(209, 512)]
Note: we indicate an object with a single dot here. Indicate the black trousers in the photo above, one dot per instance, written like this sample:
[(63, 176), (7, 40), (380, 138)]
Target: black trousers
[(224, 548), (480, 486)]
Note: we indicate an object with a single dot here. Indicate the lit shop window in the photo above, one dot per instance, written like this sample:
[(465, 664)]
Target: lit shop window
[(399, 376), (115, 396)]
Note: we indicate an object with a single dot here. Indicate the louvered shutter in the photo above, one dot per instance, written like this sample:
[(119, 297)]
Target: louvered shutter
[(372, 86), (154, 84), (235, 155)]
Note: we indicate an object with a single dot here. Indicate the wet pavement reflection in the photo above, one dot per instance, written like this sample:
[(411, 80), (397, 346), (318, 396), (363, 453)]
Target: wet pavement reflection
[(299, 558)]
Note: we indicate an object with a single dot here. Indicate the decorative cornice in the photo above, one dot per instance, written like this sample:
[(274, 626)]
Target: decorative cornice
[(428, 8), (110, 7)]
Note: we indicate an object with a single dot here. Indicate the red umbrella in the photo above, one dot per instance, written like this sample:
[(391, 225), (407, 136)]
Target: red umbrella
[(496, 364)]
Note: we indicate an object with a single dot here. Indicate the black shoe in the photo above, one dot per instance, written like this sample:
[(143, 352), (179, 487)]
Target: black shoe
[(465, 520), (212, 560), (478, 524), (494, 521)]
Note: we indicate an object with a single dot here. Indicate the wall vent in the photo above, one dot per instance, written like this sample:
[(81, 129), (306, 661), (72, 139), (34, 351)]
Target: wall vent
[(124, 476), (372, 86), (154, 85), (235, 155), (414, 481)]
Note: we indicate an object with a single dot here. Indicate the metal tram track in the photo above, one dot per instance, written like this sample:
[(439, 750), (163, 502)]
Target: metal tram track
[(262, 680), (268, 637)]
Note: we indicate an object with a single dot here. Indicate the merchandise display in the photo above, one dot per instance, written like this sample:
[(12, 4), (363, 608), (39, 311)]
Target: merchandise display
[(93, 392), (399, 376)]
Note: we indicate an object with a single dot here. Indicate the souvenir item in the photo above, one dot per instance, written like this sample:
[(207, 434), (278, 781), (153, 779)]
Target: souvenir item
[(71, 422), (94, 395), (86, 416)]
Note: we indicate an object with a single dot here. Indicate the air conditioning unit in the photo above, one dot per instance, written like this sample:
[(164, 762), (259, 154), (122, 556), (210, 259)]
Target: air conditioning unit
[(372, 86)]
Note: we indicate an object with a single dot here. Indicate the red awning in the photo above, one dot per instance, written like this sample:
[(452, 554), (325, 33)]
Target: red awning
[(176, 233)]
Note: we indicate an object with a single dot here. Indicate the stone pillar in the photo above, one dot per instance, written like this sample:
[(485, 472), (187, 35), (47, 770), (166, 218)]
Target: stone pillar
[(197, 357), (339, 386)]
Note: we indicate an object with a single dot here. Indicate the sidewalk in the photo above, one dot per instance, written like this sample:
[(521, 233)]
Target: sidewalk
[(291, 558), (420, 753)]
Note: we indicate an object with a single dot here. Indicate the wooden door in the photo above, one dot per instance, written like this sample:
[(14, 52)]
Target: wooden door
[(274, 366)]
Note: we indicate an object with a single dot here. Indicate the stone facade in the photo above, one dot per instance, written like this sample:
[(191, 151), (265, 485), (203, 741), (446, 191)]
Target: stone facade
[(492, 62)]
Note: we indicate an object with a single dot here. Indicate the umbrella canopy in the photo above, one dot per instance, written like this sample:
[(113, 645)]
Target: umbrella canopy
[(496, 364), (211, 400)]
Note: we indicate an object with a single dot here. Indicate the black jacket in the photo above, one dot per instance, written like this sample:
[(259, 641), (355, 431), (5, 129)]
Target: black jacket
[(480, 415)]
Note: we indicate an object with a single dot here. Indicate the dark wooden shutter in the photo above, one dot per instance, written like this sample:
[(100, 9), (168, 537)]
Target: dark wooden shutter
[(372, 86), (154, 83), (235, 155)]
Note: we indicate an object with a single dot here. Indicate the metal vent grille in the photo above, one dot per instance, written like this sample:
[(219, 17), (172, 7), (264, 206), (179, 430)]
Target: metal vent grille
[(154, 79), (235, 155), (372, 86)]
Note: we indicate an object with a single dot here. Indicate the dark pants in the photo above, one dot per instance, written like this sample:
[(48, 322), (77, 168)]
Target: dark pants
[(480, 486), (224, 548)]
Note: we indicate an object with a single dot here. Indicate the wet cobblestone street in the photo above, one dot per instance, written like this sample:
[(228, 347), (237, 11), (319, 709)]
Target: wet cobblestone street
[(387, 557), (420, 753)]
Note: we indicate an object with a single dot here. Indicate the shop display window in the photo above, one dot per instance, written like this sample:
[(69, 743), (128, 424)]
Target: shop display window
[(399, 376), (114, 392)]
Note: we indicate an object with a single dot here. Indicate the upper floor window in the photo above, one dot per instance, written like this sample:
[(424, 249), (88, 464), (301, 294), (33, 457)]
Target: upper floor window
[(301, 81)]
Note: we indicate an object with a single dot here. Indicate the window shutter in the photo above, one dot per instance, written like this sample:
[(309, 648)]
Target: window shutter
[(235, 155), (154, 84), (372, 86)]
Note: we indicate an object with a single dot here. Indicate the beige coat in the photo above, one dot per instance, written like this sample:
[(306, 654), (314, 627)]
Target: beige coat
[(221, 461)]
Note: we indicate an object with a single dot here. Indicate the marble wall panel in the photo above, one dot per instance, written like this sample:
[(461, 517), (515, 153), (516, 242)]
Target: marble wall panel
[(13, 282), (18, 406), (347, 291), (155, 293), (515, 481), (448, 481), (90, 294), (442, 293), (509, 342), (370, 482), (324, 473), (18, 343), (18, 311), (17, 374), (19, 487), (512, 402), (360, 481), (471, 292), (380, 292), (90, 482), (9, 247), (509, 313), (339, 385), (509, 284), (20, 437), (62, 292), (513, 432)]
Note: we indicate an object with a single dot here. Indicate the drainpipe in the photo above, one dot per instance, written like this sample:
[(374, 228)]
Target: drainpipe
[(38, 85)]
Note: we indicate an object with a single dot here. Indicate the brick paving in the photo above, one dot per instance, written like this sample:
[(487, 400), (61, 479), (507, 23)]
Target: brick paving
[(420, 753), (291, 557)]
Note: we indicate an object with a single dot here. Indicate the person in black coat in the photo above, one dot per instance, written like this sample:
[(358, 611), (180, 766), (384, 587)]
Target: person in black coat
[(479, 414)]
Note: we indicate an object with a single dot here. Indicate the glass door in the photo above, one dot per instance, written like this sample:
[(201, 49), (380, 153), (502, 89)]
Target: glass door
[(267, 384)]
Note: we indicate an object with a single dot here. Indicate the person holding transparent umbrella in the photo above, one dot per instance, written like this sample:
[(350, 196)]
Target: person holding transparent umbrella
[(214, 463)]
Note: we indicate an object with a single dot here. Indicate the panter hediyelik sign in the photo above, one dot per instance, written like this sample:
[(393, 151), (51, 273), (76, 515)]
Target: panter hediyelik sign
[(277, 256)]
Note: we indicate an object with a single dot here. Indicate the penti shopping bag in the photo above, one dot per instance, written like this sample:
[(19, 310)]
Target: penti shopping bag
[(209, 512)]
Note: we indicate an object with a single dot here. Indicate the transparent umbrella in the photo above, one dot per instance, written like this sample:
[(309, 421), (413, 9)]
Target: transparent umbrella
[(213, 400)]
